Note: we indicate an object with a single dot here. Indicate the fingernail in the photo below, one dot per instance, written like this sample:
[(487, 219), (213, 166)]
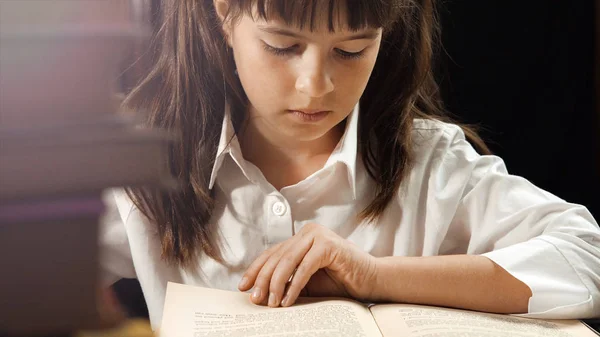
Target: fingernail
[(256, 293), (272, 300), (243, 282), (284, 302)]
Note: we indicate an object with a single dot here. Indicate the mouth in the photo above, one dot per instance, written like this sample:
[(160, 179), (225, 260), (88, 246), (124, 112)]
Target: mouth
[(310, 115), (309, 111)]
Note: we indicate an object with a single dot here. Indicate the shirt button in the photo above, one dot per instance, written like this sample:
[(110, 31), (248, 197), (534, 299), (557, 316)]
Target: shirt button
[(279, 208)]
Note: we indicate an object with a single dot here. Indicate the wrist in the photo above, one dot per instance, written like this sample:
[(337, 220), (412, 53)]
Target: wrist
[(384, 269)]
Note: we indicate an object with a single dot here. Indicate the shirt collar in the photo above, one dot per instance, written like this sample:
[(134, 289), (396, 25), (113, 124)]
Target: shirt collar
[(228, 144), (345, 152)]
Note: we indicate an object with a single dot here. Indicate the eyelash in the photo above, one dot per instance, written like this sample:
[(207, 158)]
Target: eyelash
[(287, 51)]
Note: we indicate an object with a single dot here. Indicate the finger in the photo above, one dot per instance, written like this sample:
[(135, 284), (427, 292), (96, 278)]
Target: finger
[(251, 273), (259, 273), (286, 267), (309, 265), (260, 293)]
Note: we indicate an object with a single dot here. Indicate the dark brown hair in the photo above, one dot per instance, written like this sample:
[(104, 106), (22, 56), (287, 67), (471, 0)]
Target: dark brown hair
[(194, 71)]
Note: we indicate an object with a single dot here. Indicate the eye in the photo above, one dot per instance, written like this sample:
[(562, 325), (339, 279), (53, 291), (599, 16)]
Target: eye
[(280, 51), (346, 55), (349, 55)]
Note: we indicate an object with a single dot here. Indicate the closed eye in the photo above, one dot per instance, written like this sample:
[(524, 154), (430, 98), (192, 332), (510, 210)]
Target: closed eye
[(280, 51), (349, 55), (346, 55)]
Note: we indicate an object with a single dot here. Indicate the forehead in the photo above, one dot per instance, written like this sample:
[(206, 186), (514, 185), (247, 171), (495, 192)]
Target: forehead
[(319, 15)]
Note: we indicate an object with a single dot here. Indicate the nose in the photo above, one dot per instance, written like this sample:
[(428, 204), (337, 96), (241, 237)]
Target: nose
[(314, 79)]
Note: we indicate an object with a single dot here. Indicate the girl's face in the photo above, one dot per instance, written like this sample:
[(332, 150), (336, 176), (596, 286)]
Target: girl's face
[(301, 83)]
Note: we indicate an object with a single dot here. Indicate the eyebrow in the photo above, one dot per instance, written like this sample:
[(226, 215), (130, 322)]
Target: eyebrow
[(370, 35)]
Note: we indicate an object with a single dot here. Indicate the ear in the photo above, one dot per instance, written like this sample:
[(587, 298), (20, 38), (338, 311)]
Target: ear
[(222, 9)]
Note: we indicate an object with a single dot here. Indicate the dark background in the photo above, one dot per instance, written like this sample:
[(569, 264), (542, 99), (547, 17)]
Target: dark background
[(524, 72)]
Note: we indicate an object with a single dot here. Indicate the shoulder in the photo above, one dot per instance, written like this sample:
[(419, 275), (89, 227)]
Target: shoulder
[(428, 130), (436, 139), (117, 201), (443, 156)]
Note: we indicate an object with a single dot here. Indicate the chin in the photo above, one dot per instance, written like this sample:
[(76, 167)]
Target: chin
[(307, 134)]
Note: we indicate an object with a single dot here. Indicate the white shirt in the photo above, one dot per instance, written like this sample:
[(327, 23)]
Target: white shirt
[(454, 201)]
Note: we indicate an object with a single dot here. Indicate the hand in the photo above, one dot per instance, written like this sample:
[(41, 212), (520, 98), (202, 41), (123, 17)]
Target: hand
[(319, 263)]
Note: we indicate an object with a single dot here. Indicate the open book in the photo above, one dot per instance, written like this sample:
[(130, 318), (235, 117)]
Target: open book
[(199, 312)]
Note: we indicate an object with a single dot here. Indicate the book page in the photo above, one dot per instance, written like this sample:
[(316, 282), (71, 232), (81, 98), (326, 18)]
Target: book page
[(422, 321), (199, 312)]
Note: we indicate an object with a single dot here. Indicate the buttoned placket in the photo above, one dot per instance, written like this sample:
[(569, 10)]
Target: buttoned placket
[(280, 225), (279, 219)]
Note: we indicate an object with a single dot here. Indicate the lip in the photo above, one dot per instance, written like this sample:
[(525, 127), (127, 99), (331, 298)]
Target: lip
[(309, 115), (309, 111)]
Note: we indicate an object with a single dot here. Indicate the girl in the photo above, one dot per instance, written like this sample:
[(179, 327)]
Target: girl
[(316, 161)]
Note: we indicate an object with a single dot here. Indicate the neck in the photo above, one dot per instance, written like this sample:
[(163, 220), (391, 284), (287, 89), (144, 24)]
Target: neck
[(261, 146), (284, 161)]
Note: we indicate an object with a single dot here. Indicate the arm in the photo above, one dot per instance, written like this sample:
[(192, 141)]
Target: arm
[(544, 242), (115, 255), (460, 281), (523, 249)]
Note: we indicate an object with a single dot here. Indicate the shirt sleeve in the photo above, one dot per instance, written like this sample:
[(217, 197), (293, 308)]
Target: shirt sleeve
[(550, 245), (115, 254)]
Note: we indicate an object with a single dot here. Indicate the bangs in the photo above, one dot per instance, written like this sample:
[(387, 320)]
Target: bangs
[(353, 14)]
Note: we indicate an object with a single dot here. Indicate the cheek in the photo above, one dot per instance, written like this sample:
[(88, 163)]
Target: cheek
[(353, 79), (362, 74), (264, 78)]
